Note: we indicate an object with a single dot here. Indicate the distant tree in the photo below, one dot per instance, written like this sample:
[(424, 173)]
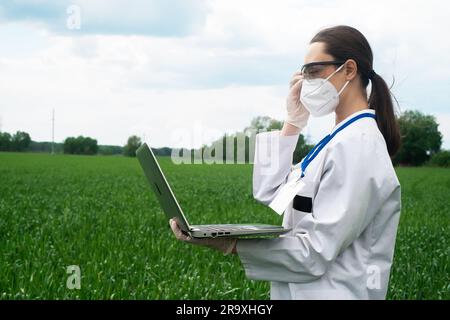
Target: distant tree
[(264, 123), (90, 146), (69, 145), (421, 138), (134, 142), (20, 141), (301, 149), (257, 125), (80, 145), (5, 141), (441, 159)]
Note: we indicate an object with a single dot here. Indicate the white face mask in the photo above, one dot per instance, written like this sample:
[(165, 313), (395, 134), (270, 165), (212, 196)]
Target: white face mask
[(319, 96)]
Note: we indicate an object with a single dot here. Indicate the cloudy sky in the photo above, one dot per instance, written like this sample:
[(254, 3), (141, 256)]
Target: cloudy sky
[(181, 73)]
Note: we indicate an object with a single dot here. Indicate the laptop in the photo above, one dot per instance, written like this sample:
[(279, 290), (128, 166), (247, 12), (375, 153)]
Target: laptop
[(172, 209)]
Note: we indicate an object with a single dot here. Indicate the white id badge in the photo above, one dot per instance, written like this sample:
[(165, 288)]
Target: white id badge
[(285, 195)]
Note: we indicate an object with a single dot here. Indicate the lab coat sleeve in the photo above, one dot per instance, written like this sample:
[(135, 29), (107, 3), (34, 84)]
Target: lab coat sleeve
[(347, 198), (272, 163)]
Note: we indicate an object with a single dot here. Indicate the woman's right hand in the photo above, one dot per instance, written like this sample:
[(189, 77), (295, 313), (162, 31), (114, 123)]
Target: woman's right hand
[(297, 115)]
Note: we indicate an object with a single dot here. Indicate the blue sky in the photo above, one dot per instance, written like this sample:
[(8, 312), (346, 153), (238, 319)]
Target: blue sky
[(170, 69)]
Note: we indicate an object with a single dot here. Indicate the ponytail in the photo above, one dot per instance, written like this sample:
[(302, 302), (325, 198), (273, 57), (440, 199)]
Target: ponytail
[(381, 101)]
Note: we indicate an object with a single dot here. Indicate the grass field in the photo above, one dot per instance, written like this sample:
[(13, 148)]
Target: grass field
[(99, 213)]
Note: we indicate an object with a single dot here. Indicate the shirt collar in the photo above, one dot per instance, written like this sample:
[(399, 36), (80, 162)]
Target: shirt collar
[(350, 117)]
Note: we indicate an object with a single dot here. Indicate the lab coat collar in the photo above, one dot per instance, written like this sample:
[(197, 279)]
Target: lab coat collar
[(352, 116)]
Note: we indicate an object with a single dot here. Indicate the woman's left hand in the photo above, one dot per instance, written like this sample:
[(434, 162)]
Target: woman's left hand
[(226, 245)]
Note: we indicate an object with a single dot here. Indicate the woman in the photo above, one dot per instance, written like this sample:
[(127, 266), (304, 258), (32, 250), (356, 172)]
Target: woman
[(346, 206)]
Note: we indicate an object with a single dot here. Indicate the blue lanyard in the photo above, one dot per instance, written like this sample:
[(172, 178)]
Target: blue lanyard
[(318, 147)]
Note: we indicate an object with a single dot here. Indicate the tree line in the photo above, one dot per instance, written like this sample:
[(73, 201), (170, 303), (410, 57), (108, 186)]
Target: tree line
[(421, 142), (20, 141)]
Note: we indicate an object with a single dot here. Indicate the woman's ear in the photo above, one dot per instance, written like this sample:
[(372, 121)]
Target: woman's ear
[(351, 69)]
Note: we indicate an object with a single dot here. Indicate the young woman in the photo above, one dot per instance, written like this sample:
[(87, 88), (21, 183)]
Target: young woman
[(345, 207)]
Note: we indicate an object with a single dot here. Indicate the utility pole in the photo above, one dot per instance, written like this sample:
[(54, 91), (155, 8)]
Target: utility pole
[(53, 131)]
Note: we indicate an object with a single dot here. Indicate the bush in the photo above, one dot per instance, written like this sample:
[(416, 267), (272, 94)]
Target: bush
[(20, 141), (421, 138), (441, 159), (5, 141), (80, 145), (134, 142)]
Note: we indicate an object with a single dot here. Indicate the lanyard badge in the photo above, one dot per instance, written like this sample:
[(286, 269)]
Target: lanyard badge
[(285, 195)]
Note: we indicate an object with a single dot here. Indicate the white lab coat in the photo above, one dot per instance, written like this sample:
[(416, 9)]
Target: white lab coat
[(343, 248)]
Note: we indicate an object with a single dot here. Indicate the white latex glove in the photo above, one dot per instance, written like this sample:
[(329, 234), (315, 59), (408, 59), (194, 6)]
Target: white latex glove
[(297, 115), (225, 245)]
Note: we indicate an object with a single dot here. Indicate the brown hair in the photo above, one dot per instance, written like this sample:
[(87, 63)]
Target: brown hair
[(343, 43)]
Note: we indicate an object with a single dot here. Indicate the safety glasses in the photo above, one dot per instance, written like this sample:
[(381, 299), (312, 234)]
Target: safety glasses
[(313, 69)]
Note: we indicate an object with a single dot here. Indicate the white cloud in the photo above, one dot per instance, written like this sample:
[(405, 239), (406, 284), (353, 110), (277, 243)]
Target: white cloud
[(234, 68)]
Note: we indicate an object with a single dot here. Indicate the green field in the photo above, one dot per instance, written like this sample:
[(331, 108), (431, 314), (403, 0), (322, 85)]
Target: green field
[(99, 213)]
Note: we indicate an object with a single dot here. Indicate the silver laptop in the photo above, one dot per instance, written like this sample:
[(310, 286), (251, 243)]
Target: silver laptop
[(172, 209)]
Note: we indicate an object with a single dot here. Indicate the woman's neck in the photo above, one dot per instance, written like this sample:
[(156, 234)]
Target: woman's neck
[(346, 109)]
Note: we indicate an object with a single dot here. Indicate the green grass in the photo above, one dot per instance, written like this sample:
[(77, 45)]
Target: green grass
[(99, 213)]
